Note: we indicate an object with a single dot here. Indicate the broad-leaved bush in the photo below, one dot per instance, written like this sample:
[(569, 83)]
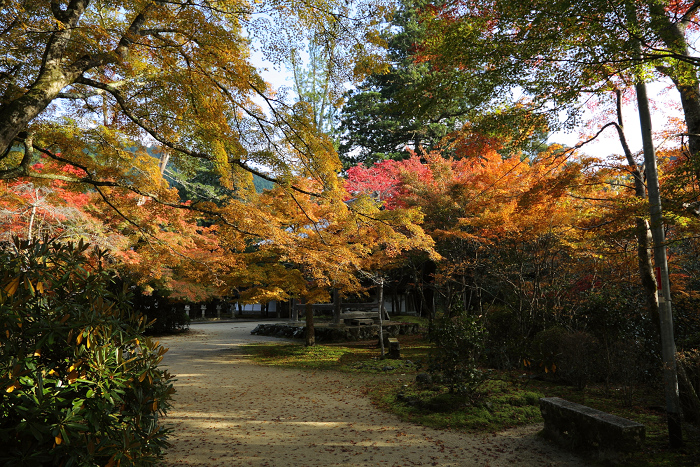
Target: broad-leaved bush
[(79, 381)]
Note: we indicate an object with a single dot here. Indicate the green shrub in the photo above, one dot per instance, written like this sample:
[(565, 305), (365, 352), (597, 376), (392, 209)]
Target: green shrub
[(505, 345), (570, 356), (79, 383), (579, 359), (459, 341), (164, 317), (545, 350), (689, 379)]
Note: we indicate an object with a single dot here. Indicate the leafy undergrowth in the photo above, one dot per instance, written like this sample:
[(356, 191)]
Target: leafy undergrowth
[(505, 401)]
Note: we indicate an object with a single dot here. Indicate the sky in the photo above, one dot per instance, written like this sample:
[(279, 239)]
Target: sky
[(665, 104)]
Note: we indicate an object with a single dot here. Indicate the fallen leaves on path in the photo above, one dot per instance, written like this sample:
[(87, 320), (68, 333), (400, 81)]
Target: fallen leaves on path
[(230, 412)]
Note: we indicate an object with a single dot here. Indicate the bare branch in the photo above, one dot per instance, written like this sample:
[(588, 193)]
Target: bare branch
[(132, 32)]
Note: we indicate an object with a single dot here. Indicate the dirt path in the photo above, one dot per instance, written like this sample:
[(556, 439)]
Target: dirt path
[(230, 412)]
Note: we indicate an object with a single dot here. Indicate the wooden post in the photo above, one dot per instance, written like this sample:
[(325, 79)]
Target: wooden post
[(310, 332)]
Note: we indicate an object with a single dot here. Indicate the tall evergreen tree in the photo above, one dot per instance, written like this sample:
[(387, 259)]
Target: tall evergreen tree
[(418, 103), (377, 121)]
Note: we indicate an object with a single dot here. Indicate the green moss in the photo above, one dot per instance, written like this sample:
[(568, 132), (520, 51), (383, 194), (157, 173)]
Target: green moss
[(498, 406), (360, 357)]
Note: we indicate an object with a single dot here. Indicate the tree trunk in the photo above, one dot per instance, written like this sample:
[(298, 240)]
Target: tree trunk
[(15, 116), (691, 394), (337, 306), (690, 100), (396, 305), (163, 162), (54, 75), (668, 345), (643, 233), (381, 308), (293, 312), (310, 333), (684, 75)]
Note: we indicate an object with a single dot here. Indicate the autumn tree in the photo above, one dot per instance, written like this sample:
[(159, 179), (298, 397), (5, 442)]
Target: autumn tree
[(310, 246), (557, 52), (520, 239), (32, 210), (87, 81), (88, 86)]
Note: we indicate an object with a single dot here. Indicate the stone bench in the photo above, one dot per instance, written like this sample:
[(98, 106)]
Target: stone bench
[(582, 428), (359, 317)]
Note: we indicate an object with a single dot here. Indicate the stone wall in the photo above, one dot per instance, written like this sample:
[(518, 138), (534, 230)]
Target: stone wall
[(339, 333)]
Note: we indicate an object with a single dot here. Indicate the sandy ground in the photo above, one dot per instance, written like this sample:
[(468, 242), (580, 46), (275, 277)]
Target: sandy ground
[(231, 412)]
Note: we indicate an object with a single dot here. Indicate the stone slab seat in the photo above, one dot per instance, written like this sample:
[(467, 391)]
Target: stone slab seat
[(359, 322), (586, 429), (359, 315), (357, 318)]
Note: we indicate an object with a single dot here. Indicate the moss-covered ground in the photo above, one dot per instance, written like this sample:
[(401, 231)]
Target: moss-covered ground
[(505, 400)]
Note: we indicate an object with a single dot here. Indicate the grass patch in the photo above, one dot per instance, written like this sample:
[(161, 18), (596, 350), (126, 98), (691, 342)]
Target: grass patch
[(422, 322), (356, 357), (327, 357)]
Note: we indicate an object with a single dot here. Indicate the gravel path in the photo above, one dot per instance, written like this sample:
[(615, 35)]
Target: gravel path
[(230, 412)]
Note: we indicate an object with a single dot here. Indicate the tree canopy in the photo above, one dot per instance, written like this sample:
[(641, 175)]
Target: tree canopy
[(140, 106), (80, 78)]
